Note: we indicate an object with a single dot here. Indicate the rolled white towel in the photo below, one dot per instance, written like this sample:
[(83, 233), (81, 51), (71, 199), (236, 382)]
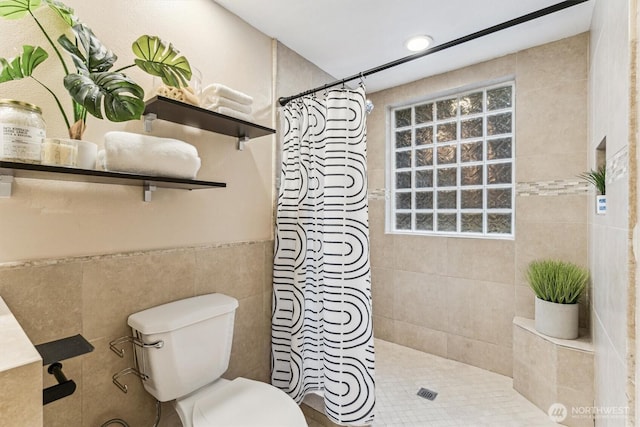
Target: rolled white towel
[(150, 155), (213, 102), (233, 113), (217, 89)]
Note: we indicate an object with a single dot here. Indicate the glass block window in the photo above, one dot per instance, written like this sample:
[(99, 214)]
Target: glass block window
[(452, 164)]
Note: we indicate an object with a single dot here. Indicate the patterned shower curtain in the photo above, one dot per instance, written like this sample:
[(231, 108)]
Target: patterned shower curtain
[(322, 336)]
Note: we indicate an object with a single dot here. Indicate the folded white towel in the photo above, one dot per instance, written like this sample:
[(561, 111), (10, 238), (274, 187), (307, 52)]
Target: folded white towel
[(213, 102), (233, 113), (217, 89), (150, 155)]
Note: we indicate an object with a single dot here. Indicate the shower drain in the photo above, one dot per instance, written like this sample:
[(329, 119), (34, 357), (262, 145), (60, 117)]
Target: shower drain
[(427, 394)]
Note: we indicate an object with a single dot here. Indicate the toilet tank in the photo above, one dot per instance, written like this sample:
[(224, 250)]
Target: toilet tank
[(196, 335)]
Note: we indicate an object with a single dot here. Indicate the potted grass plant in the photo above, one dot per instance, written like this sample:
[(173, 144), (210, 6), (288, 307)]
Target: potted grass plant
[(558, 286), (94, 87), (598, 178)]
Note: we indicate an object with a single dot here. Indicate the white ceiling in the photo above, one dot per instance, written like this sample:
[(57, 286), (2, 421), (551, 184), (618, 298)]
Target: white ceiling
[(344, 37)]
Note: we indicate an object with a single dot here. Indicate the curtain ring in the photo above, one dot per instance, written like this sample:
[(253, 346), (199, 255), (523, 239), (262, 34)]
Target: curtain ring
[(362, 77)]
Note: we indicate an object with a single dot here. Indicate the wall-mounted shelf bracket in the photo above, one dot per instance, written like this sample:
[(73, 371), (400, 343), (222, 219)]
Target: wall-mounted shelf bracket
[(148, 121), (148, 191), (6, 184), (242, 140)]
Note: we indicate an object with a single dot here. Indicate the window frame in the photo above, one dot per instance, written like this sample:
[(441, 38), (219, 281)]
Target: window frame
[(391, 169)]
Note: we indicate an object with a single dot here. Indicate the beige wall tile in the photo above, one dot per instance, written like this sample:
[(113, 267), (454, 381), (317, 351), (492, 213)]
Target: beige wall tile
[(565, 241), (421, 338), (578, 401), (381, 244), (546, 373), (268, 266), (484, 355), (536, 354), (21, 396), (46, 300), (525, 301), (384, 328), (496, 69), (376, 218), (563, 61), (480, 310), (115, 287), (237, 271), (567, 208), (575, 369), (420, 254), (552, 121), (376, 179), (542, 167), (382, 291), (534, 387), (481, 259), (421, 299), (248, 352), (534, 369), (376, 135)]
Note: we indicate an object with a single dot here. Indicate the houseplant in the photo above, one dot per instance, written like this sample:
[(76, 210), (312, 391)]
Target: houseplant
[(93, 87), (558, 286), (598, 178)]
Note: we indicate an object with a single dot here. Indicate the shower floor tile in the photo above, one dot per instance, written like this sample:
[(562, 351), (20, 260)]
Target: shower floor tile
[(467, 396)]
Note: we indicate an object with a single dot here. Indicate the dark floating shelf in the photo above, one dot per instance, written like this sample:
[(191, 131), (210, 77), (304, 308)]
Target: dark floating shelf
[(158, 107), (190, 115), (61, 173)]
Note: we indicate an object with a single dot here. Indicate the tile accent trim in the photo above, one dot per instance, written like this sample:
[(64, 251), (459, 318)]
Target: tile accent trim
[(85, 258), (377, 194), (524, 189), (552, 188)]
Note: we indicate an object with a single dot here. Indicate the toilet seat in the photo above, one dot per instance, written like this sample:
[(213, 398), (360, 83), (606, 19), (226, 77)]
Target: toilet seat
[(242, 403)]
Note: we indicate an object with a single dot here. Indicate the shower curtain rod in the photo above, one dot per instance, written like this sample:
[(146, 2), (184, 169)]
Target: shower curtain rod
[(511, 23)]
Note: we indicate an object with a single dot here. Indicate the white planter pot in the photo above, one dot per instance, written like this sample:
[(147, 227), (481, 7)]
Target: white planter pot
[(557, 320), (601, 205)]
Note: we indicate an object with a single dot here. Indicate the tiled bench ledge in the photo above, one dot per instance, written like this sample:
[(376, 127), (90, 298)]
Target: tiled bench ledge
[(550, 370), (20, 374)]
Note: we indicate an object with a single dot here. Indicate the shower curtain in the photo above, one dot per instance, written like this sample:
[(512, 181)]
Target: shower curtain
[(322, 336)]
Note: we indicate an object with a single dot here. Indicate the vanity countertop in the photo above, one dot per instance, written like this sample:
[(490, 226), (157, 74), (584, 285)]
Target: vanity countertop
[(17, 349)]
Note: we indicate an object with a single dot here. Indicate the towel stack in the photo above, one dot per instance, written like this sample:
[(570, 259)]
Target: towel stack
[(148, 155), (230, 102)]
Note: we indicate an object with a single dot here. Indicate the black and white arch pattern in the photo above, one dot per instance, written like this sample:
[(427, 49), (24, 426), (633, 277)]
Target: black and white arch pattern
[(322, 336)]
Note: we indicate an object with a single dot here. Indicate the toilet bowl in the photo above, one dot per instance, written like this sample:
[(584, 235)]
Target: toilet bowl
[(240, 402), (185, 349)]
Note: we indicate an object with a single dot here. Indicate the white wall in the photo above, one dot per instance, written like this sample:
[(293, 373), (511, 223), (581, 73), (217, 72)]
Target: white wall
[(47, 219)]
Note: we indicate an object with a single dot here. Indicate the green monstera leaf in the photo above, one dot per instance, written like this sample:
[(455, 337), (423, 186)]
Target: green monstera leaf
[(22, 65), (162, 60), (118, 95), (16, 9), (63, 11), (96, 57)]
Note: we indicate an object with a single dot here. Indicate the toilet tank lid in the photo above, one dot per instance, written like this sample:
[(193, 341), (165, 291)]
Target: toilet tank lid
[(178, 314)]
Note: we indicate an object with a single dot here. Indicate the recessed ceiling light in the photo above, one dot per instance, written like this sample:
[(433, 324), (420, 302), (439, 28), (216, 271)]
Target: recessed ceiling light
[(418, 43)]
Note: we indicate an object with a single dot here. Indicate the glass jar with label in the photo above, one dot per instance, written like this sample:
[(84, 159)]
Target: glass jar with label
[(22, 130)]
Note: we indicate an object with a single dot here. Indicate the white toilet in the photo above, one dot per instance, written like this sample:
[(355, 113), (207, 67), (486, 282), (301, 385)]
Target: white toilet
[(187, 344)]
